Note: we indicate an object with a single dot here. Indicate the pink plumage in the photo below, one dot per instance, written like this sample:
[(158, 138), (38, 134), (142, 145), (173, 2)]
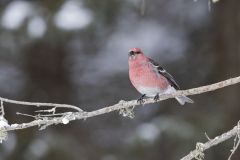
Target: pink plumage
[(149, 78)]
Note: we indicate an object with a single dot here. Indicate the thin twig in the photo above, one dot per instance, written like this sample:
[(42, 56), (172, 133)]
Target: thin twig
[(27, 115), (2, 109), (38, 104), (207, 136)]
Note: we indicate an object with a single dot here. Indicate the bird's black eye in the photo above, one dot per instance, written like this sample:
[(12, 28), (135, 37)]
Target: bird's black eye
[(131, 53)]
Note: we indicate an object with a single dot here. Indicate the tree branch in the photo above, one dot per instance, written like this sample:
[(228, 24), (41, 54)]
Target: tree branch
[(124, 106), (47, 117), (201, 147)]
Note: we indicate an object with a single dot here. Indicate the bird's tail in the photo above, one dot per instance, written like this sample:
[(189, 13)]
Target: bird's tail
[(183, 99)]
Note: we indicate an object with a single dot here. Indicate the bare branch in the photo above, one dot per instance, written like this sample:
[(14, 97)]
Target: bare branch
[(48, 117), (236, 141), (201, 147), (119, 106)]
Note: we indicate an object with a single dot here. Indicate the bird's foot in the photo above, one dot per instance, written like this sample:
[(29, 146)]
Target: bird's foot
[(156, 97), (141, 99)]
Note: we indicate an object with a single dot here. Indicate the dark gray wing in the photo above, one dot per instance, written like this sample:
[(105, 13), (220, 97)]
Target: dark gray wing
[(164, 73)]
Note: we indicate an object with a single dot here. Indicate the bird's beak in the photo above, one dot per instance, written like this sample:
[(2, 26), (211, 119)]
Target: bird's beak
[(130, 53)]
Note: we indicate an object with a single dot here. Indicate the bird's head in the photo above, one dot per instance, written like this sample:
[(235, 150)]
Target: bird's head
[(134, 53)]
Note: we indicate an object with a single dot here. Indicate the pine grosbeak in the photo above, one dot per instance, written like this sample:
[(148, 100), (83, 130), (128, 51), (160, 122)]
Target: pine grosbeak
[(150, 79)]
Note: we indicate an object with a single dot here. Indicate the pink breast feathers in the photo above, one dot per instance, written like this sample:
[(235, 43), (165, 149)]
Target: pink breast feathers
[(145, 78)]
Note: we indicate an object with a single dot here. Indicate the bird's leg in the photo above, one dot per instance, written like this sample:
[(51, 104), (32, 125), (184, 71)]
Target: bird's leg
[(156, 97), (140, 100)]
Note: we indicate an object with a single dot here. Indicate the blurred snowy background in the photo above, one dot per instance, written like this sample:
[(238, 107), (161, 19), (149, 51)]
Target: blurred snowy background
[(75, 51)]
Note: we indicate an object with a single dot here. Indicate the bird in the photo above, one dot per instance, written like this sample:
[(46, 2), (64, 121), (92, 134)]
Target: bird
[(150, 79)]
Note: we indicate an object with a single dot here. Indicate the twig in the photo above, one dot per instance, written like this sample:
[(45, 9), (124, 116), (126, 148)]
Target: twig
[(207, 136), (2, 109), (27, 115), (38, 104)]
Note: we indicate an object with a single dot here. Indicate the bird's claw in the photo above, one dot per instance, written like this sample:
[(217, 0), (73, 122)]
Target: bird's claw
[(156, 97), (141, 99)]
